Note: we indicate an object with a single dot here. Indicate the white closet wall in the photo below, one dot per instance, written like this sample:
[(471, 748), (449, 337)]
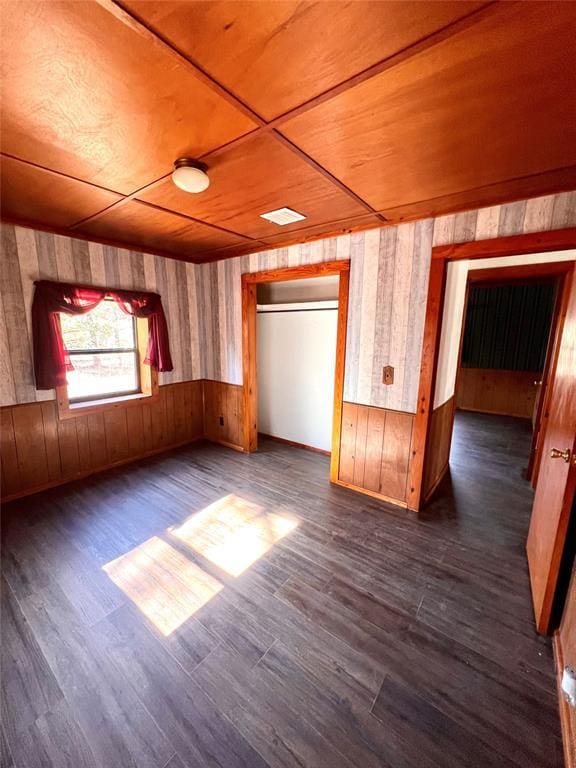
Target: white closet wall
[(296, 354)]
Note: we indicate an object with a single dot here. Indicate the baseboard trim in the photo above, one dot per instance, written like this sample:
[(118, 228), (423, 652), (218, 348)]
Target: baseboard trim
[(373, 494), (233, 446), (568, 736), (294, 444), (89, 473), (436, 483)]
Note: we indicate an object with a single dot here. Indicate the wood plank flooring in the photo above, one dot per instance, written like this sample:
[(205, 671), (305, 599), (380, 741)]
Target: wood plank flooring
[(210, 609)]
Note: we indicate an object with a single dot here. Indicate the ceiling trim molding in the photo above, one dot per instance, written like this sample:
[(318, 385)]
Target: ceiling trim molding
[(66, 232), (560, 180)]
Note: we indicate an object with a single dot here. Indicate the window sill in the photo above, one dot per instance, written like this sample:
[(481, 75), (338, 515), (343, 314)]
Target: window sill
[(68, 410)]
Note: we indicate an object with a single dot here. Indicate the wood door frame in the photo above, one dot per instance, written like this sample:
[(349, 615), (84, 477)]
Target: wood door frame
[(250, 281), (442, 255)]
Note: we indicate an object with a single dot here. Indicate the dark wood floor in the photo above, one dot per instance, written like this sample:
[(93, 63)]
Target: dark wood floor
[(361, 637)]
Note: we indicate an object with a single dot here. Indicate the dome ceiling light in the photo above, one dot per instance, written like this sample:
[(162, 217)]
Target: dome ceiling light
[(190, 175)]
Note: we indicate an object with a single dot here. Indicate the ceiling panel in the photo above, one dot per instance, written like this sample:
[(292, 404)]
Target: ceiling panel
[(148, 228), (257, 176), (503, 192), (33, 194), (277, 55), (494, 102), (88, 95)]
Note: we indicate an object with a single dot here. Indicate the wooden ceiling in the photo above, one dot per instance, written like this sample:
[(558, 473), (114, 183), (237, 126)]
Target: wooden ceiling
[(354, 114)]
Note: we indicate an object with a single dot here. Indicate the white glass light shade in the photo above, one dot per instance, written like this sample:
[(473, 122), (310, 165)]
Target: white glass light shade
[(190, 179)]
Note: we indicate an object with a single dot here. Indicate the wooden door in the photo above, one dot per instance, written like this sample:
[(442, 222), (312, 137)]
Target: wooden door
[(557, 475), (565, 642)]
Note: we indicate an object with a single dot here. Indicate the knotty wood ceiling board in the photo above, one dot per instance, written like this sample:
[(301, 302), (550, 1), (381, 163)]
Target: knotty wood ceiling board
[(281, 54), (495, 101), (35, 195), (137, 224), (90, 96), (254, 177)]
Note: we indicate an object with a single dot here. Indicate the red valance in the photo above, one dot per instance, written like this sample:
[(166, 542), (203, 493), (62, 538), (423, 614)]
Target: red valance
[(51, 359)]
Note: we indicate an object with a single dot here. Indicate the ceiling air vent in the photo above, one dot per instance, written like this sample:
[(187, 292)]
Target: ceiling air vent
[(282, 216)]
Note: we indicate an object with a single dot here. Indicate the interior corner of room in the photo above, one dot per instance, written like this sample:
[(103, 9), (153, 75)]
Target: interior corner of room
[(288, 384)]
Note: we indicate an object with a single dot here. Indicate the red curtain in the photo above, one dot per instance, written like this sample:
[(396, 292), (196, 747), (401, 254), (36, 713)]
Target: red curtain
[(51, 360)]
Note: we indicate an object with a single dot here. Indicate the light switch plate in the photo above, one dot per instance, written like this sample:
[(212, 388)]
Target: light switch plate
[(388, 374)]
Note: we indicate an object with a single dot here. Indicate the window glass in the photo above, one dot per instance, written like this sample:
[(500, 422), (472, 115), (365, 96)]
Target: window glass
[(102, 348)]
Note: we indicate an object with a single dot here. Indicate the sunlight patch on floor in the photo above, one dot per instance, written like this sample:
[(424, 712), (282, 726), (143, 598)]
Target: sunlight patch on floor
[(233, 533), (165, 585)]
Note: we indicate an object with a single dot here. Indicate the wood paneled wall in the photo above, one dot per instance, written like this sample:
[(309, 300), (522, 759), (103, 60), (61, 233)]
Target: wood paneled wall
[(388, 284), (375, 450), (39, 450), (223, 409), (489, 390), (438, 447)]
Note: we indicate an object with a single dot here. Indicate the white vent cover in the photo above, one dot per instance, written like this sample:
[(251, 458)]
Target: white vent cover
[(282, 216)]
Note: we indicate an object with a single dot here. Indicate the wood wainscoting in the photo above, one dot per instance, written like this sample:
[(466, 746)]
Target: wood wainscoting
[(438, 448), (223, 413), (375, 451), (489, 390), (39, 450)]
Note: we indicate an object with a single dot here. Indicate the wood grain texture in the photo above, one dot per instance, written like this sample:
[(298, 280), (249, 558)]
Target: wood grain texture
[(149, 228), (565, 653), (375, 450), (489, 390), (286, 103), (556, 486), (39, 450), (405, 641), (440, 441), (224, 413), (89, 134), (363, 135), (51, 199), (240, 191), (277, 63)]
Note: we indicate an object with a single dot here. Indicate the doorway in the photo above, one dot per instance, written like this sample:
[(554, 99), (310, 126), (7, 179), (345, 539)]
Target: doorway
[(509, 321), (549, 255), (296, 326), (250, 284)]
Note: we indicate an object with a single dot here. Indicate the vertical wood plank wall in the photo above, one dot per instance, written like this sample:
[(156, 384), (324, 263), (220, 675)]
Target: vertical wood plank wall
[(39, 450), (375, 450), (438, 452), (490, 390), (223, 409)]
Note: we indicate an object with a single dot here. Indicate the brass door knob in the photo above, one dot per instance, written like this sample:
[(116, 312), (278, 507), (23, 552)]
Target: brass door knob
[(556, 453)]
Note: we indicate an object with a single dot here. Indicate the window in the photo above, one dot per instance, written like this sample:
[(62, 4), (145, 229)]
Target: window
[(103, 349)]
